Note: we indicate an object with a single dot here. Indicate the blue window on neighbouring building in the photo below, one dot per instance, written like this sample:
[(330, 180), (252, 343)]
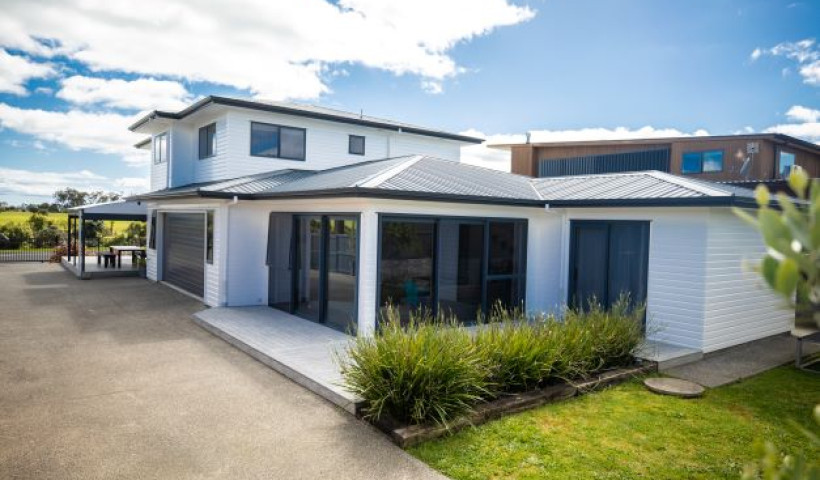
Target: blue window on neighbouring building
[(692, 162), (785, 163), (713, 161), (709, 161)]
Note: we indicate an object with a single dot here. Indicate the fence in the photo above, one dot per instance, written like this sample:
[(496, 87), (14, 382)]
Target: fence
[(25, 252)]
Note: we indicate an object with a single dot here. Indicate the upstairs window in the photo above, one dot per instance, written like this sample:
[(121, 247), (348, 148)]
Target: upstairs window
[(710, 161), (160, 148), (276, 141), (785, 163), (355, 145), (207, 141)]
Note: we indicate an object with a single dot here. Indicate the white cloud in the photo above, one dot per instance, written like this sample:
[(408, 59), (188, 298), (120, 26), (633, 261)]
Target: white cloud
[(140, 94), (500, 159), (98, 132), (27, 183), (16, 70), (804, 52), (799, 113), (809, 131), (276, 50), (44, 184)]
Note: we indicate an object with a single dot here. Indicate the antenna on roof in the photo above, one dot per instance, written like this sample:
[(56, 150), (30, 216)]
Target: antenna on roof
[(528, 138)]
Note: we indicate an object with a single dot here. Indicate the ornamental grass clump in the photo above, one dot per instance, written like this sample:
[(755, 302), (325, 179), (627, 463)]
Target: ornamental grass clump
[(596, 339), (520, 350), (420, 371)]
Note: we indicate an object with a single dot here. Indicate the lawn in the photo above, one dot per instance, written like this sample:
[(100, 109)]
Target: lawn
[(627, 432)]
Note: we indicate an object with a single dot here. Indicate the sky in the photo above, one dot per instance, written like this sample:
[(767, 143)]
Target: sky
[(75, 73)]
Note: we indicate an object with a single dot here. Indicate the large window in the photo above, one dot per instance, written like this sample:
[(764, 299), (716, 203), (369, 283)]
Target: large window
[(276, 141), (207, 141), (355, 145), (160, 148), (459, 266), (710, 161), (785, 163)]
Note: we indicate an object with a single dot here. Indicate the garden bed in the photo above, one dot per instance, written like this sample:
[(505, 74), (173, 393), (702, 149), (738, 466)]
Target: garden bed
[(409, 435)]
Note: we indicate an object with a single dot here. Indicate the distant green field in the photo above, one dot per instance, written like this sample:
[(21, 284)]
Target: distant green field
[(59, 219)]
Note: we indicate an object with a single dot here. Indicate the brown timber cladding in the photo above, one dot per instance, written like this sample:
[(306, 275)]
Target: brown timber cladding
[(525, 158)]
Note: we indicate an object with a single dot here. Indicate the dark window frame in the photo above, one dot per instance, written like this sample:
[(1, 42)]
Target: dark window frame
[(279, 129), (209, 237), (520, 276), (160, 155), (292, 249), (350, 139), (701, 154), (208, 142)]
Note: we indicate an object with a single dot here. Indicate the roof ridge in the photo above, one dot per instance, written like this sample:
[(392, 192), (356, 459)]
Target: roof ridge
[(695, 185), (380, 177)]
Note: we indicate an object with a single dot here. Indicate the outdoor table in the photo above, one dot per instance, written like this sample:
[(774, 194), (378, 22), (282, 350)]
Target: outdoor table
[(118, 249)]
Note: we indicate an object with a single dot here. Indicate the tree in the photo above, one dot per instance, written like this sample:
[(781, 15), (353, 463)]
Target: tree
[(792, 234), (37, 222), (791, 267), (71, 197)]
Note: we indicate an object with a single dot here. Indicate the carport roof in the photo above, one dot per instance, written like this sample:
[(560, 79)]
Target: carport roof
[(419, 177), (120, 210)]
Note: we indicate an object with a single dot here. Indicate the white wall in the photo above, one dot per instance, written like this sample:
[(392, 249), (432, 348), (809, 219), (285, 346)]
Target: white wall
[(676, 288), (326, 147), (739, 306)]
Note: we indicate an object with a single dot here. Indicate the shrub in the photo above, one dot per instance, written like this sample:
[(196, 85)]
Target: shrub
[(521, 351), (429, 370), (435, 369), (595, 339), (15, 235)]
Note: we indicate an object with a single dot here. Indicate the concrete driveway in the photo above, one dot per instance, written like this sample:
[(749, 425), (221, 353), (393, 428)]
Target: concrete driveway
[(112, 379)]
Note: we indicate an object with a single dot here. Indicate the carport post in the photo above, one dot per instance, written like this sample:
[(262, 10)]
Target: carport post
[(82, 244)]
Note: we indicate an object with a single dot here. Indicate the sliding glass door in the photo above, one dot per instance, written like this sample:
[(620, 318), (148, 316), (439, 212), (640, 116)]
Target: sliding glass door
[(341, 261), (313, 262), (308, 267)]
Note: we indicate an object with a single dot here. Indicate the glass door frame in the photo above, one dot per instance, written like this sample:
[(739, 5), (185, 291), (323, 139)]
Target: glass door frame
[(323, 273)]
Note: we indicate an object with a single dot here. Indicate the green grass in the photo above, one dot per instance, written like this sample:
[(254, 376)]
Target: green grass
[(59, 219), (628, 432)]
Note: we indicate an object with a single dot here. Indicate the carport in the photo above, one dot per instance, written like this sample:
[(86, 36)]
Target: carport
[(89, 261)]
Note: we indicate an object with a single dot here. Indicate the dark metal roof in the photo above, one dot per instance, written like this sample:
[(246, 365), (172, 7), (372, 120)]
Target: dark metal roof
[(308, 111), (420, 177)]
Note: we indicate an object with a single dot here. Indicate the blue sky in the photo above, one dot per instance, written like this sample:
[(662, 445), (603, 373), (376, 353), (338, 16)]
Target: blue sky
[(72, 77)]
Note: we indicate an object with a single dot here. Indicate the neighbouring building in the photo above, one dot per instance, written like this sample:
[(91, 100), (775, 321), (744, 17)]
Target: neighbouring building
[(735, 158), (328, 216)]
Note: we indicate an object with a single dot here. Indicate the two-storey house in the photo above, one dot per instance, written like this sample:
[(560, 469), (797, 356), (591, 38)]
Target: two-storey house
[(329, 216)]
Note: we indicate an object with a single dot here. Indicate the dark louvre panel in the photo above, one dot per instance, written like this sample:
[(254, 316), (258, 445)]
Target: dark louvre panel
[(657, 159), (184, 240)]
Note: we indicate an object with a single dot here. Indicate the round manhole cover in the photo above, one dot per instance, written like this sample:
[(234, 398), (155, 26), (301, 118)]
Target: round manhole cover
[(674, 386)]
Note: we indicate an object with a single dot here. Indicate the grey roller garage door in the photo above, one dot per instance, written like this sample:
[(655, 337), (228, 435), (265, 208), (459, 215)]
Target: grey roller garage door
[(184, 251)]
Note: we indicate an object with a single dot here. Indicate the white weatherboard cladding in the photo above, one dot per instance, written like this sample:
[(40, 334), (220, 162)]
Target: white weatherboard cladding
[(677, 267), (159, 175), (739, 306), (326, 146)]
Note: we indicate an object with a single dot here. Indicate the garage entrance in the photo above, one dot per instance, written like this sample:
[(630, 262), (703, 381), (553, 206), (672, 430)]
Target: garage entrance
[(607, 259), (184, 251)]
